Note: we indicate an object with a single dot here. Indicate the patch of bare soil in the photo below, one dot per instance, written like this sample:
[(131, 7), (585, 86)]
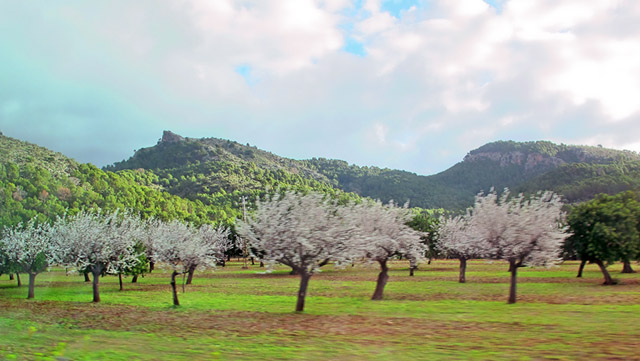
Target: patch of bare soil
[(596, 299), (130, 318)]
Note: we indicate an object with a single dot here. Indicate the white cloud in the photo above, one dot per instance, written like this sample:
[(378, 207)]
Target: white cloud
[(439, 80), (279, 36)]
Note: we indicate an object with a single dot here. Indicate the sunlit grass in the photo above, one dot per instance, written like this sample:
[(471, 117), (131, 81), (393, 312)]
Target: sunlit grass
[(247, 314)]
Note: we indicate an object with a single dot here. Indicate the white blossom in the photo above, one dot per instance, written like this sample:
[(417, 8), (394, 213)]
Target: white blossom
[(99, 243), (302, 231), (382, 233), (30, 249), (523, 231)]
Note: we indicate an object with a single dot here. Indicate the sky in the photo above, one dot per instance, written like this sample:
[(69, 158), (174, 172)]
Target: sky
[(403, 84)]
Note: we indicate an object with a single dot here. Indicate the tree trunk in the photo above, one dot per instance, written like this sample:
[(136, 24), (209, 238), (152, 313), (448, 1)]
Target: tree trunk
[(152, 266), (429, 260), (11, 277), (32, 285), (134, 279), (514, 279), (18, 278), (626, 268), (173, 289), (86, 276), (607, 277), (302, 292), (96, 289), (252, 261), (463, 270), (383, 277), (582, 264), (120, 280), (261, 264), (192, 269), (294, 272), (412, 267)]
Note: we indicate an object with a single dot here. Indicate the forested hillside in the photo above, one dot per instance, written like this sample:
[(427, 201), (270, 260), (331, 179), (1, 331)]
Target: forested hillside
[(198, 182), (207, 169), (204, 180), (219, 172), (35, 181)]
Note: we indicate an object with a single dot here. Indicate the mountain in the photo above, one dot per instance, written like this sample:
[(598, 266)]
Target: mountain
[(209, 168), (220, 172), (35, 181), (543, 165)]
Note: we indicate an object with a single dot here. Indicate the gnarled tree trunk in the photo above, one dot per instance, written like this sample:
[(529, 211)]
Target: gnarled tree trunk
[(152, 266), (626, 268), (32, 285), (463, 270), (607, 277), (383, 277), (18, 278), (582, 264), (513, 268), (134, 279), (96, 289), (302, 292), (86, 276), (173, 288), (412, 267), (192, 269)]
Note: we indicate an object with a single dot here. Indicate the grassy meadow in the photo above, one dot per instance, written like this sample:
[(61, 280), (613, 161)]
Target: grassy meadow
[(236, 314)]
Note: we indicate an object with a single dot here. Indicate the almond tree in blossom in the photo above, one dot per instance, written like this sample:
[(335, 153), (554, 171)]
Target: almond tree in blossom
[(152, 230), (102, 243), (302, 231), (214, 240), (523, 231), (382, 233), (459, 238), (183, 248), (30, 249)]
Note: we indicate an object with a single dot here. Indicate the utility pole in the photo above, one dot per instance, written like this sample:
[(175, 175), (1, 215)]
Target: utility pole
[(245, 250)]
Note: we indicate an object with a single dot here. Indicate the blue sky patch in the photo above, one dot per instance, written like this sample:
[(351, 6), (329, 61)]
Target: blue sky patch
[(354, 47), (497, 4), (396, 7), (245, 71)]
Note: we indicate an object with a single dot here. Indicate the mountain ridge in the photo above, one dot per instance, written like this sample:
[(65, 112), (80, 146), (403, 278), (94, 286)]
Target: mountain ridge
[(497, 164)]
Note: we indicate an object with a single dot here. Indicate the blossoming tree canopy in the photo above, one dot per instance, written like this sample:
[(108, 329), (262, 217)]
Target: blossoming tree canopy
[(461, 239), (184, 248), (100, 243), (302, 231), (525, 231), (30, 248), (382, 233)]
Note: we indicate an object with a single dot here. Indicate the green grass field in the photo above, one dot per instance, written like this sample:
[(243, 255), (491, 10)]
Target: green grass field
[(235, 314)]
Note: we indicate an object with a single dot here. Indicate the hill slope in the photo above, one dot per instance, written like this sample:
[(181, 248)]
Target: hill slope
[(217, 171), (35, 181), (200, 168)]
